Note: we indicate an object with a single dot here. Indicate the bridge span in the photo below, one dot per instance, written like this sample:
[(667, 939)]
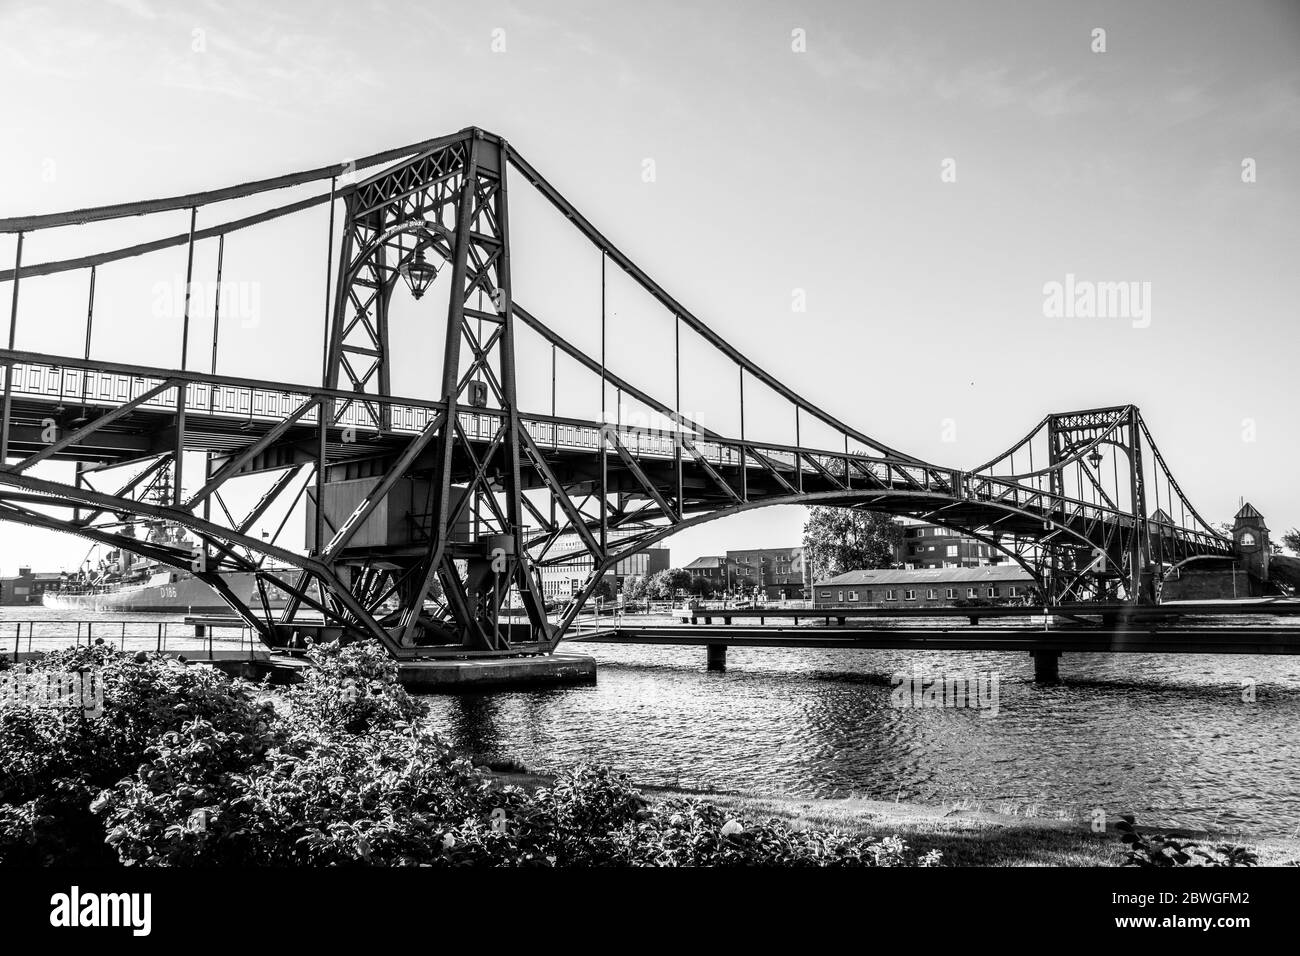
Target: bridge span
[(1266, 627), (464, 494)]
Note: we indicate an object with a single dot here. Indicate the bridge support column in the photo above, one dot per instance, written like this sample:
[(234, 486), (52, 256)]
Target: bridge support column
[(717, 657), (1046, 666)]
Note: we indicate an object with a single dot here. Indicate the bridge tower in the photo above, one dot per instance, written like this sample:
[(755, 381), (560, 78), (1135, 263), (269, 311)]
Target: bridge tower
[(1251, 542), (440, 217), (1075, 444)]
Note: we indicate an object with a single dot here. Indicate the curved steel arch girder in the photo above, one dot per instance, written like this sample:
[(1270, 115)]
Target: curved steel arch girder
[(49, 523), (1077, 453), (857, 498), (61, 495), (364, 254)]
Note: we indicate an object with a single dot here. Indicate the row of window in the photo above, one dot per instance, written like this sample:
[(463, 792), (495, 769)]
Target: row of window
[(931, 594)]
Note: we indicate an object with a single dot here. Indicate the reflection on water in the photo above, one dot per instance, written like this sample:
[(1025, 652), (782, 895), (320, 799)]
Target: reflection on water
[(1166, 737)]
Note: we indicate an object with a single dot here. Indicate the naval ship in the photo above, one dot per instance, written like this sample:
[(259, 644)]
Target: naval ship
[(122, 581)]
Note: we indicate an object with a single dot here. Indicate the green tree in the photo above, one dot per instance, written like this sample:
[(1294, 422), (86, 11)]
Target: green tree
[(703, 586), (836, 540), (634, 588), (664, 585)]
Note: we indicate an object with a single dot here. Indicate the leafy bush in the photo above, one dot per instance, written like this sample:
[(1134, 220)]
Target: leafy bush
[(189, 768), (1175, 849), (54, 762), (353, 689), (688, 832)]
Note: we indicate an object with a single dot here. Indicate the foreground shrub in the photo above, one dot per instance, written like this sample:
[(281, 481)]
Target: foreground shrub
[(352, 689), (54, 762), (1175, 849), (696, 833), (190, 768)]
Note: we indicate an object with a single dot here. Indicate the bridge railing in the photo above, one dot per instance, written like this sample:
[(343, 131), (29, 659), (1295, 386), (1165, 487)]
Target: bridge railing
[(1064, 509), (78, 384), (104, 388), (26, 638)]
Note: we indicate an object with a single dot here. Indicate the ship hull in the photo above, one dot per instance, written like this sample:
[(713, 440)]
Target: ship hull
[(187, 595)]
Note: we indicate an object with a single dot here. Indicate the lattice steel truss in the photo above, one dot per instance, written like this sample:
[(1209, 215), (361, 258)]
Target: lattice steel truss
[(429, 519)]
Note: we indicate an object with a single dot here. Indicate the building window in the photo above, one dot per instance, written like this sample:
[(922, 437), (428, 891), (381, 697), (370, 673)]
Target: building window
[(1011, 591), (841, 597), (970, 592), (930, 594), (826, 595), (993, 592), (853, 595), (952, 551), (909, 594), (952, 594), (889, 594)]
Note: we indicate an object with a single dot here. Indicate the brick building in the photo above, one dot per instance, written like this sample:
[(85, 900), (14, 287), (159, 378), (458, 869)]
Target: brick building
[(1245, 576), (775, 573), (712, 568), (27, 587), (930, 546), (927, 587)]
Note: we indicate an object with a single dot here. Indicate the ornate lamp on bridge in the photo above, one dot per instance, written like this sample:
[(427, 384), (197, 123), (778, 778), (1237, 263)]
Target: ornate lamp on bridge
[(418, 272), (1094, 459)]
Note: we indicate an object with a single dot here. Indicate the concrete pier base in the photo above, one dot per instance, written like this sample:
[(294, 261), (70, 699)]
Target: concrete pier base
[(717, 657), (276, 670), (1047, 666), (454, 676)]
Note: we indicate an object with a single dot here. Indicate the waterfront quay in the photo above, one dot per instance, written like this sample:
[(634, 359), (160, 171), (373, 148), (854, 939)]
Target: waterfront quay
[(1248, 628)]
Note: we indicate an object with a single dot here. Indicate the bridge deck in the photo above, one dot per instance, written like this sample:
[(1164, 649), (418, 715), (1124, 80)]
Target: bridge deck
[(224, 414), (1261, 639), (1109, 612)]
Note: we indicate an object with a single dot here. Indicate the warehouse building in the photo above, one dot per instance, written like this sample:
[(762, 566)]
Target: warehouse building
[(928, 587)]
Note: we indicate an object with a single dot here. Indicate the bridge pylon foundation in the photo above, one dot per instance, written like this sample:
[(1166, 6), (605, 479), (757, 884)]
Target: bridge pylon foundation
[(497, 673), (1047, 666)]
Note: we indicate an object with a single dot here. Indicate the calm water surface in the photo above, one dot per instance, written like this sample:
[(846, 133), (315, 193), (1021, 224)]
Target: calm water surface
[(1165, 736)]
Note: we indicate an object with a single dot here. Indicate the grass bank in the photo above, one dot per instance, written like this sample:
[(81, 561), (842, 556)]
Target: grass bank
[(966, 836)]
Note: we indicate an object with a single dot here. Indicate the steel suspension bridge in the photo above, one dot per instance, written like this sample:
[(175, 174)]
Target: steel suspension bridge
[(468, 490)]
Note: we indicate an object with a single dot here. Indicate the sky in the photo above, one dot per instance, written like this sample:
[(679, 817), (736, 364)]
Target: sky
[(870, 200)]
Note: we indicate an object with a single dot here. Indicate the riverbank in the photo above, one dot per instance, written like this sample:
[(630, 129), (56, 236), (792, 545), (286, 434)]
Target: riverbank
[(966, 836)]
